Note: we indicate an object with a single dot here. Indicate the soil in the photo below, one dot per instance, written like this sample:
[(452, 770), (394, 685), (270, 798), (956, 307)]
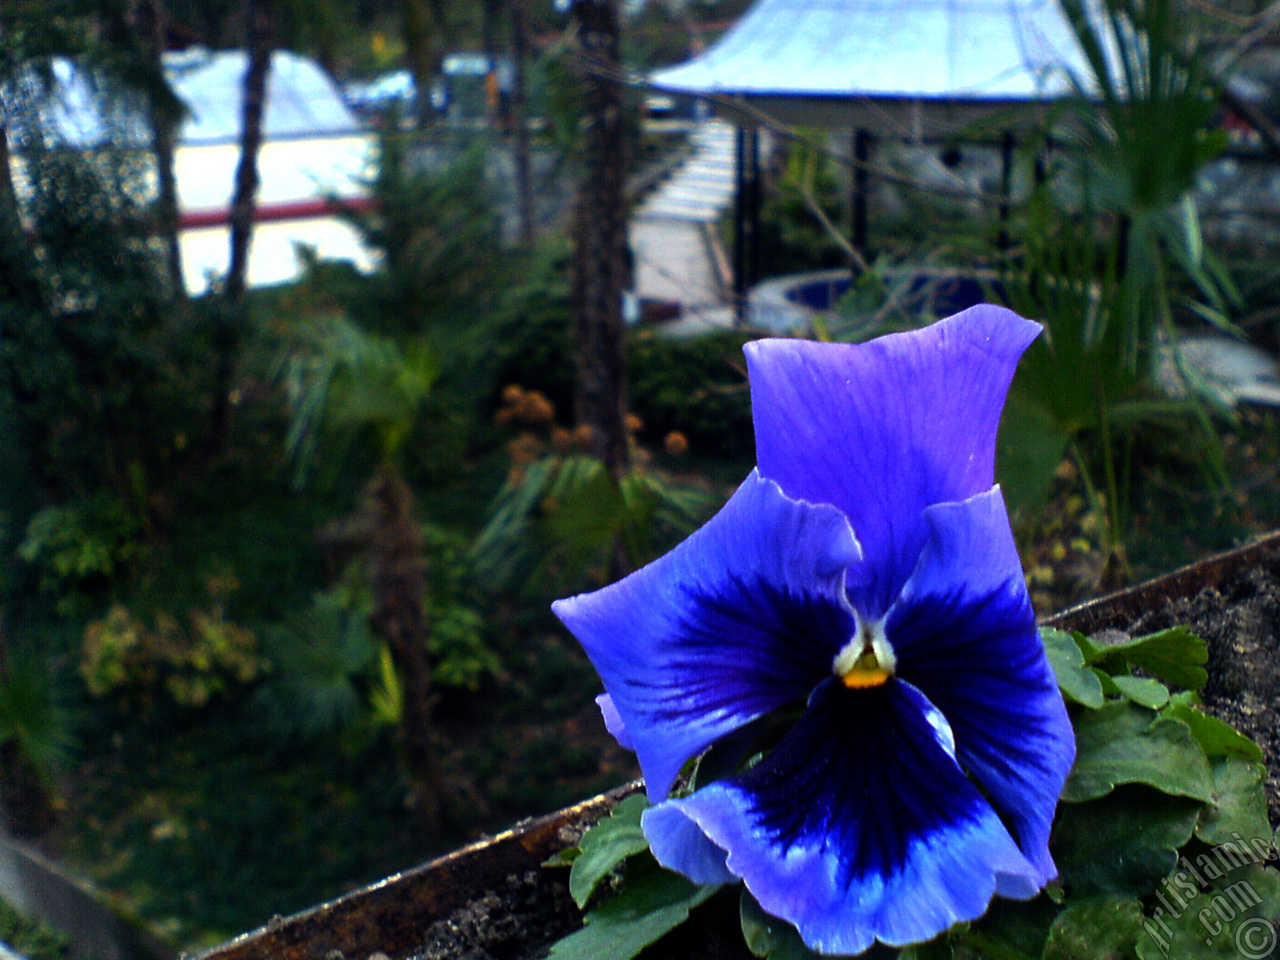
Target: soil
[(1239, 620), (512, 920)]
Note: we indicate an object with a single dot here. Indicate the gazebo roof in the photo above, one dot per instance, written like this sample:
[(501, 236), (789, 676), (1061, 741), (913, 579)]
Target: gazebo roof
[(818, 60)]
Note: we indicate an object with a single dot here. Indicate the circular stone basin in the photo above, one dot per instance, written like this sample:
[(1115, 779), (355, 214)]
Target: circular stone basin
[(792, 302)]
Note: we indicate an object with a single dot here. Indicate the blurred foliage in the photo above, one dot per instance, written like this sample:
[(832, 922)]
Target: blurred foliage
[(697, 387), (1112, 258), (560, 524), (801, 210), (32, 939), (330, 676), (34, 719), (323, 661), (462, 656), (347, 383), (92, 340), (130, 659), (81, 549), (436, 230)]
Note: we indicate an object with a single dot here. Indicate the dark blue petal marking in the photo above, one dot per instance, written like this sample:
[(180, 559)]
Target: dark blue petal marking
[(886, 428), (965, 635), (739, 619), (859, 826)]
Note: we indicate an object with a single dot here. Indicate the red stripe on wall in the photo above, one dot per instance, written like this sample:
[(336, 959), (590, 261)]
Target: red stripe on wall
[(268, 213)]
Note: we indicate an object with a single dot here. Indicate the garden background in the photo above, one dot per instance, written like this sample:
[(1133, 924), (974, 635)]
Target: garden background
[(278, 561)]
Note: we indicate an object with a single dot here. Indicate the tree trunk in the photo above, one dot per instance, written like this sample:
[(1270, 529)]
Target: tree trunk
[(419, 52), (8, 194), (260, 23), (489, 21), (520, 123), (600, 264), (397, 574), (259, 41), (151, 26)]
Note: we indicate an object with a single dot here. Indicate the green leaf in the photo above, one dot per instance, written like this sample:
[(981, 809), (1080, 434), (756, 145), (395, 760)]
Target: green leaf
[(606, 845), (1233, 916), (1121, 844), (1009, 929), (1175, 656), (1107, 929), (1143, 691), (1216, 737), (767, 936), (1077, 682), (563, 858), (1124, 743), (653, 902), (939, 948), (1239, 806)]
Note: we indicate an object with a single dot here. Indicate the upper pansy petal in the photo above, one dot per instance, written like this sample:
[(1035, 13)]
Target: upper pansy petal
[(742, 617), (963, 632), (859, 826), (885, 428)]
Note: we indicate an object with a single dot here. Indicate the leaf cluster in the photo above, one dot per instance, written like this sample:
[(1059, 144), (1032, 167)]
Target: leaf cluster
[(33, 719), (565, 513), (1160, 838), (127, 657), (651, 903), (1112, 258), (343, 381)]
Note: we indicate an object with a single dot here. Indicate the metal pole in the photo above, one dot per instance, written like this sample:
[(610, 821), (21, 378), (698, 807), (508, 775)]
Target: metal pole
[(861, 188), (740, 202), (1006, 187), (753, 223)]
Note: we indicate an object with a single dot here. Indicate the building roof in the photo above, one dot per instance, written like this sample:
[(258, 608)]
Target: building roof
[(301, 99), (813, 52), (301, 102)]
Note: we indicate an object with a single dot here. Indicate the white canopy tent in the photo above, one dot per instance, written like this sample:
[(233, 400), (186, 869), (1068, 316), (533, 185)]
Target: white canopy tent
[(313, 149), (907, 69), (859, 62)]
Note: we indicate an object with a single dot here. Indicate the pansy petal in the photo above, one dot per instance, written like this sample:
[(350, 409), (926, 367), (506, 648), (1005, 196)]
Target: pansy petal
[(885, 428), (963, 632), (742, 617), (685, 848), (613, 723), (859, 826)]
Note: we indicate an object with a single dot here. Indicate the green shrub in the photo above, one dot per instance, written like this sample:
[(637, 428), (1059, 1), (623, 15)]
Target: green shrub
[(697, 387), (32, 939), (80, 548), (127, 656)]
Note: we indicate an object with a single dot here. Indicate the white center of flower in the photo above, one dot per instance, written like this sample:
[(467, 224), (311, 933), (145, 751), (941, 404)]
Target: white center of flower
[(867, 660)]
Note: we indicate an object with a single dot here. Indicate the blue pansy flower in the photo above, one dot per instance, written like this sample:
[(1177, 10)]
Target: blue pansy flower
[(866, 572)]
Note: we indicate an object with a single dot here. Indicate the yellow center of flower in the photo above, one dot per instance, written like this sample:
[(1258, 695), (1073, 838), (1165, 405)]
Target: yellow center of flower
[(867, 660)]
